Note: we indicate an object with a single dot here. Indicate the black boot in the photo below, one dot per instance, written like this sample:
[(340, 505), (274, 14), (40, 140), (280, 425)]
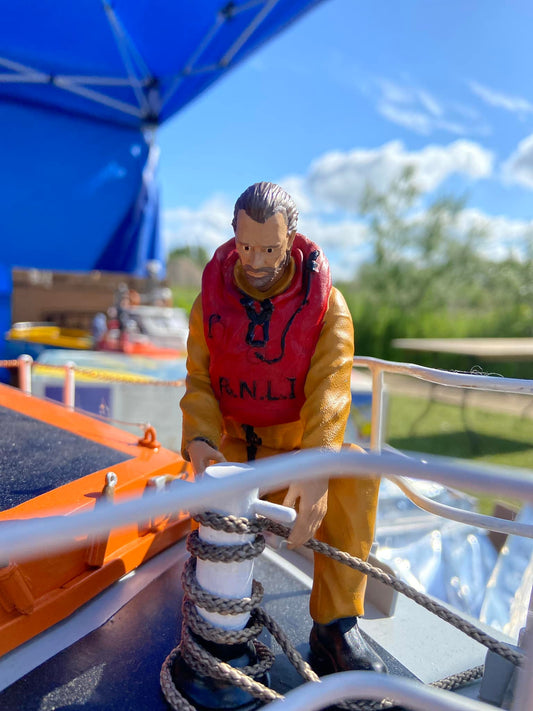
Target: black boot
[(340, 646)]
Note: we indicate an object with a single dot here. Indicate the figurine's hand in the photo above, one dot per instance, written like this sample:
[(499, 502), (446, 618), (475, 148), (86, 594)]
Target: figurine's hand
[(202, 455), (313, 496)]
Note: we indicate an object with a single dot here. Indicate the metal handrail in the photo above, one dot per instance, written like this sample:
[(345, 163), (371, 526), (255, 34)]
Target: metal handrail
[(279, 471), (379, 367), (415, 698), (18, 537), (465, 380), (446, 377), (471, 518), (369, 685)]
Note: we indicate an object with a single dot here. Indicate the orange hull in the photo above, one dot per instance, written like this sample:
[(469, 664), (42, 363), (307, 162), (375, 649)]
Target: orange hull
[(38, 592), (132, 347)]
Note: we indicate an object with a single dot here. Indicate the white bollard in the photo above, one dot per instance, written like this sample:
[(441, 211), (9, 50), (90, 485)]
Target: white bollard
[(69, 387), (233, 580)]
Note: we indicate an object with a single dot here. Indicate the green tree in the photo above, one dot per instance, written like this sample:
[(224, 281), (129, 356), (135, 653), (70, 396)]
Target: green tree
[(428, 277), (198, 254), (419, 257)]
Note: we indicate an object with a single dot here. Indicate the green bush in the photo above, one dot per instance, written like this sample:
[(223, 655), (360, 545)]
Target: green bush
[(377, 326)]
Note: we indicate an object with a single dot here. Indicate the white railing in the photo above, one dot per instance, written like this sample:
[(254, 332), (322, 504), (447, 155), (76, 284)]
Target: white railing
[(25, 364), (410, 694), (378, 368), (375, 687), (18, 540), (470, 518)]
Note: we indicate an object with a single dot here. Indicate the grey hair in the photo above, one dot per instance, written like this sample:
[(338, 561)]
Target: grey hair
[(262, 200)]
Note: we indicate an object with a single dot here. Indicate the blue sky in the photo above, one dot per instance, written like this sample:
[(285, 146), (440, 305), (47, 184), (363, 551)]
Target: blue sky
[(347, 96)]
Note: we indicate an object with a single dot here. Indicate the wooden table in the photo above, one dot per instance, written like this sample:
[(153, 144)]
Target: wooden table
[(486, 348), (495, 349)]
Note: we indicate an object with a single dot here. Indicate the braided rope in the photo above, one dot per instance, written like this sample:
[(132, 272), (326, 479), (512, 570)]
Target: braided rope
[(449, 683), (456, 681), (174, 699), (199, 658), (107, 376), (436, 608), (214, 603), (205, 663), (291, 653), (224, 554), (202, 627), (9, 364), (96, 374), (230, 524)]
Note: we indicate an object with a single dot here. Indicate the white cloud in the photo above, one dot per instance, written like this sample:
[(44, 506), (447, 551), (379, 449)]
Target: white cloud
[(345, 243), (417, 110), (413, 120), (418, 121), (514, 104), (396, 93), (393, 93), (503, 236), (327, 199), (208, 226), (430, 103), (519, 167), (341, 178)]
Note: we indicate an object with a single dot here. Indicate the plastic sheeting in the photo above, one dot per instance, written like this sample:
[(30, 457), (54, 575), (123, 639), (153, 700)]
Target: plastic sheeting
[(510, 586), (454, 562)]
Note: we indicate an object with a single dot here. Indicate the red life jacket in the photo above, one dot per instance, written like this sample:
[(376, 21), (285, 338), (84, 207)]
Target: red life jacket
[(260, 351)]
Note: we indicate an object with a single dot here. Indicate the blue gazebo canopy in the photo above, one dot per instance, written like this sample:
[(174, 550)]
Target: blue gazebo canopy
[(83, 85)]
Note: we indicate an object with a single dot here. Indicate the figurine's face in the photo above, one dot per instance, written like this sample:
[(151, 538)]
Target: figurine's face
[(263, 249)]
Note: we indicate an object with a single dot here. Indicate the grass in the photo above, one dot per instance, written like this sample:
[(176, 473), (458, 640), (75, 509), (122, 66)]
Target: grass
[(183, 297), (468, 433)]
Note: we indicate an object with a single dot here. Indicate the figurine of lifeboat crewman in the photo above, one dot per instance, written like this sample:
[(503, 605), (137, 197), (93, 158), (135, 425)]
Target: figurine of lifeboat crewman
[(269, 362)]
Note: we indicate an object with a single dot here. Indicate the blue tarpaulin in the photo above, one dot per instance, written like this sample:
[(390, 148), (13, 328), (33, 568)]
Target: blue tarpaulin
[(83, 86)]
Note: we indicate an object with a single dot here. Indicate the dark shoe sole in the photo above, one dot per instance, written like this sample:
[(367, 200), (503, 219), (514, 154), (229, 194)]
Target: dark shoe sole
[(323, 662)]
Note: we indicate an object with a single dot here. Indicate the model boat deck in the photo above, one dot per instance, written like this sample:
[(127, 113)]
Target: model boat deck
[(117, 665), (30, 445), (54, 461), (107, 650)]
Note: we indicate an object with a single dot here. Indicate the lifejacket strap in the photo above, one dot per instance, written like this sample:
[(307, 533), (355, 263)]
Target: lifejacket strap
[(253, 442)]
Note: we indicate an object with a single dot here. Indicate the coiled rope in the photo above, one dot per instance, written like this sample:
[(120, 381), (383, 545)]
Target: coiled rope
[(429, 604), (205, 663), (196, 655)]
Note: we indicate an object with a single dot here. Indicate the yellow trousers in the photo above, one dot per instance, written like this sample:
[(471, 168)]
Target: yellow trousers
[(338, 591)]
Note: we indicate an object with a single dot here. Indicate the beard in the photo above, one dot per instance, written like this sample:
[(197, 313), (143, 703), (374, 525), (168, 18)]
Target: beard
[(264, 278)]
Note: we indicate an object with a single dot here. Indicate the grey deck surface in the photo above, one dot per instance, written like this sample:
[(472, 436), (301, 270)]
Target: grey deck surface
[(117, 666), (36, 457)]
